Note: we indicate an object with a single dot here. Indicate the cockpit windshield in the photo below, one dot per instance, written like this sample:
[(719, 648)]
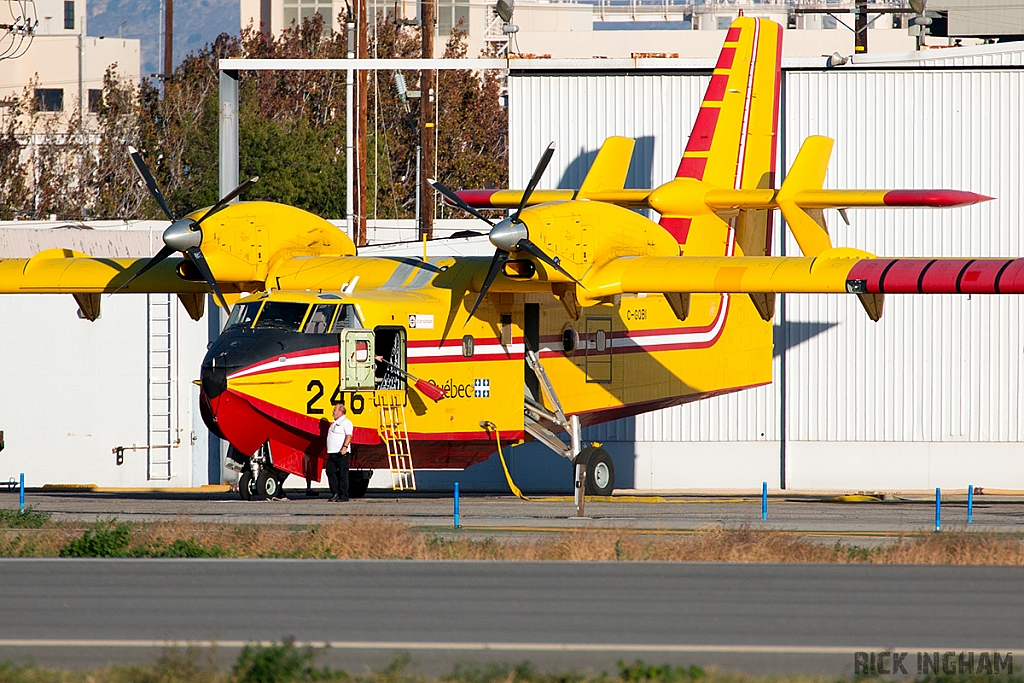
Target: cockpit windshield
[(319, 320), (285, 315), (243, 314)]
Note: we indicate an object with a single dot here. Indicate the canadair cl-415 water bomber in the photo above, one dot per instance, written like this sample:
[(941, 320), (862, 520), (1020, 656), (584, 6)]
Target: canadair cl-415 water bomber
[(587, 312)]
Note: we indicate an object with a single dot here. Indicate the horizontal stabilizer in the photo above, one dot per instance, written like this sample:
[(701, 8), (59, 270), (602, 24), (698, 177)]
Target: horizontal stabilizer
[(509, 199)]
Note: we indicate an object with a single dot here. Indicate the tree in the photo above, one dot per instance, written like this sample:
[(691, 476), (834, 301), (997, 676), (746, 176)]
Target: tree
[(291, 134)]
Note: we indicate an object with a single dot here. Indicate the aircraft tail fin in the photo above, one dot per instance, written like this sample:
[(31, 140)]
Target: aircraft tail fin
[(807, 173), (732, 144), (608, 172)]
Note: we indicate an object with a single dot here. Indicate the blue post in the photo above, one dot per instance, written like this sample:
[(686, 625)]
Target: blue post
[(458, 524), (764, 501), (21, 493), (970, 503), (938, 509)]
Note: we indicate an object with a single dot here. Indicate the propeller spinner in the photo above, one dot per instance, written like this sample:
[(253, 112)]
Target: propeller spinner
[(509, 235), (183, 234)]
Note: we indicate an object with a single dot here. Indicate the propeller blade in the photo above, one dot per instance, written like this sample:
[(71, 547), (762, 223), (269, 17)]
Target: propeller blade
[(500, 256), (542, 166), (457, 200), (164, 252), (143, 170), (532, 249), (226, 199), (199, 261)]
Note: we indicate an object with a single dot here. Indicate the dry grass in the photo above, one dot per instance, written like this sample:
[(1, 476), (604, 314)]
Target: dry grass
[(368, 538), (289, 663)]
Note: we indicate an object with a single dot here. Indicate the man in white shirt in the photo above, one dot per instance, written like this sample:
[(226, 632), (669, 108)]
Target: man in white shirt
[(339, 444)]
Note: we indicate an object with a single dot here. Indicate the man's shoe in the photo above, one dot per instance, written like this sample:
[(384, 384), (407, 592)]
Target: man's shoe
[(333, 499), (343, 500)]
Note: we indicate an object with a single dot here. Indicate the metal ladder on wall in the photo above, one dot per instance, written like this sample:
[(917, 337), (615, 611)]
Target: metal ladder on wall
[(160, 392), (393, 432)]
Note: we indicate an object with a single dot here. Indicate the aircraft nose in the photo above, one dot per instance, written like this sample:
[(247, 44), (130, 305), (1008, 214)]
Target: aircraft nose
[(228, 353), (214, 380)]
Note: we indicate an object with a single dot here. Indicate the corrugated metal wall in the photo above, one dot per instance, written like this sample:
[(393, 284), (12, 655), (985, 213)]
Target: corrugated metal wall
[(936, 368), (928, 396)]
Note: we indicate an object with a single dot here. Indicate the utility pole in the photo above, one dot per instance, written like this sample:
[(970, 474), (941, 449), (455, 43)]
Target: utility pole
[(350, 148), (168, 38), (428, 131), (361, 115), (860, 27), (82, 108)]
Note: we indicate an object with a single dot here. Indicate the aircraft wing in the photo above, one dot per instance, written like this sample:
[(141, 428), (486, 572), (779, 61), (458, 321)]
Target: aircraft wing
[(838, 270), (63, 271)]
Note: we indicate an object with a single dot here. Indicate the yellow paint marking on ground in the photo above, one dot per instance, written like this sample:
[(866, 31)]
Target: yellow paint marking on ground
[(93, 488), (853, 499), (642, 499)]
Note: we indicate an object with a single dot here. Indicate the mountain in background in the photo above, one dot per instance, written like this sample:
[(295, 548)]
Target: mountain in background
[(196, 23)]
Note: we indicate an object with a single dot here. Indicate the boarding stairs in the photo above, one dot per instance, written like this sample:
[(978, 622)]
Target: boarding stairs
[(535, 414), (393, 432)]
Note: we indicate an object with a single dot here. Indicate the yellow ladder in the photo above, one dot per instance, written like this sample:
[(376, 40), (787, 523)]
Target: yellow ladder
[(392, 430)]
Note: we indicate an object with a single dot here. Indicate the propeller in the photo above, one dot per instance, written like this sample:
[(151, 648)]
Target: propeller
[(509, 235), (183, 234)]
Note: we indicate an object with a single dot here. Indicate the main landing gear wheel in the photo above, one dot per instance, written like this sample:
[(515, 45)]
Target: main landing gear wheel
[(246, 486), (267, 485), (600, 473)]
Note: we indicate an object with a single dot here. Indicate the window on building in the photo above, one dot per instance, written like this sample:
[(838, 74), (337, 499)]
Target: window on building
[(297, 11), (724, 23), (452, 14), (69, 14), (49, 99), (95, 101), (828, 21)]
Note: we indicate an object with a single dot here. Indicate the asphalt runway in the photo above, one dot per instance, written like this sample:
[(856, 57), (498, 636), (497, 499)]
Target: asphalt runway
[(584, 616)]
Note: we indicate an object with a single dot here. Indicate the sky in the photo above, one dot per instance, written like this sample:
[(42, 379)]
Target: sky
[(196, 23)]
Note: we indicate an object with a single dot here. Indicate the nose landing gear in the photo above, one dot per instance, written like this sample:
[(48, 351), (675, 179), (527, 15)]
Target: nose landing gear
[(258, 478)]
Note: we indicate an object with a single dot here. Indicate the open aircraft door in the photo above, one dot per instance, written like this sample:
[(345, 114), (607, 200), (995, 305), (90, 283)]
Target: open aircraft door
[(357, 360)]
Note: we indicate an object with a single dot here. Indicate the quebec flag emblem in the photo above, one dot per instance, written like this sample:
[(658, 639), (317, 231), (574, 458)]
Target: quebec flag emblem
[(481, 388)]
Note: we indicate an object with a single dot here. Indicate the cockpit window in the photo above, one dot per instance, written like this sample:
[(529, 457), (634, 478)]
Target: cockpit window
[(285, 315), (347, 318), (243, 314), (319, 320)]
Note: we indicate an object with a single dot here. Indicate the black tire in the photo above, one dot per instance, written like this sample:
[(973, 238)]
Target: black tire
[(358, 483), (267, 485), (246, 486), (600, 473)]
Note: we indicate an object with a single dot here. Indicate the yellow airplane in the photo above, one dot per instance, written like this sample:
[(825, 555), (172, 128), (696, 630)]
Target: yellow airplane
[(587, 312)]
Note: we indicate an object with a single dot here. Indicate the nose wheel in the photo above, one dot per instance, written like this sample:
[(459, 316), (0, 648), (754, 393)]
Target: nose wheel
[(267, 485), (246, 485)]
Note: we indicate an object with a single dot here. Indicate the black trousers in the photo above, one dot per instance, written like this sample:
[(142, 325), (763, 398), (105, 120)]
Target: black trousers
[(337, 474)]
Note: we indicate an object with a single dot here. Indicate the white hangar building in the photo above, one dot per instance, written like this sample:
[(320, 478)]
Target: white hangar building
[(926, 397)]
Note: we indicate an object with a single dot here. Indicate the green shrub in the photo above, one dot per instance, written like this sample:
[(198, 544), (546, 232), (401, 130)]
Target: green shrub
[(639, 672), (103, 539), (183, 547), (30, 518), (282, 663)]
